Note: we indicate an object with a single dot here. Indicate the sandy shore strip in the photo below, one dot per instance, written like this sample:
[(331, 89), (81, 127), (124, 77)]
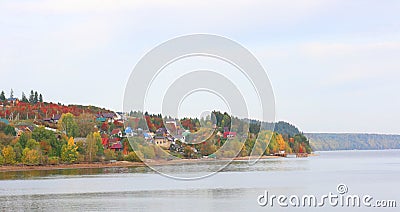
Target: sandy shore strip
[(125, 164)]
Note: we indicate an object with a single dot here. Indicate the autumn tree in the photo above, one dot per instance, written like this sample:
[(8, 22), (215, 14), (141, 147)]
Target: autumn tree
[(8, 155), (86, 124), (68, 125), (109, 154), (92, 147), (208, 147), (281, 142), (69, 153), (48, 141), (30, 157)]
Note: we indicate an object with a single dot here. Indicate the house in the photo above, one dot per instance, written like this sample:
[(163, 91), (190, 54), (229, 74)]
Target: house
[(5, 121), (147, 136), (101, 119), (115, 144), (21, 129), (13, 100), (229, 135), (54, 119), (163, 141), (116, 133), (129, 132), (161, 131)]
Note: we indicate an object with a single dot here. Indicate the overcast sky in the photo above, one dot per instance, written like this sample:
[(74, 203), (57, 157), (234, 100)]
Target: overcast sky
[(334, 65)]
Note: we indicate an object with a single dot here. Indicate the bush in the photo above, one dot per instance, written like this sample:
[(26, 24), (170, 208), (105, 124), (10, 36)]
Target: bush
[(132, 157), (120, 156), (30, 157), (1, 160), (54, 160), (109, 155)]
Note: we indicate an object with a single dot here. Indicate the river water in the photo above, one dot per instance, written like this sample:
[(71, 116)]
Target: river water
[(236, 188)]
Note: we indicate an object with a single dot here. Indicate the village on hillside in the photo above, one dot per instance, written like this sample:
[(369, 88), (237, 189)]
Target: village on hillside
[(115, 133)]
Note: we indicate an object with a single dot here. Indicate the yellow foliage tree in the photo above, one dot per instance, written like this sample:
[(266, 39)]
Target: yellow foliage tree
[(281, 142)]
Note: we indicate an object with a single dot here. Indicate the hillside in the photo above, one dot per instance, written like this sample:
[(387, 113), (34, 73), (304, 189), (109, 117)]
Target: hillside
[(350, 141)]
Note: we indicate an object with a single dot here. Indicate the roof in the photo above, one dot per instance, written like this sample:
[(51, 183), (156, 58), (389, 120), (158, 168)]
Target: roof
[(116, 146), (108, 115), (115, 131), (128, 130), (101, 119), (56, 117), (114, 140), (229, 133), (5, 121), (12, 99)]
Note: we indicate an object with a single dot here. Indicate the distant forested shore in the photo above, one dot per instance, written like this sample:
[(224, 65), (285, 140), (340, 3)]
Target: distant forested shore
[(351, 141)]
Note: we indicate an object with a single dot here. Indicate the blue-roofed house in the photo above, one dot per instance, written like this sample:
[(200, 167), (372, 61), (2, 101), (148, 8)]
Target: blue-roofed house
[(5, 121), (129, 132)]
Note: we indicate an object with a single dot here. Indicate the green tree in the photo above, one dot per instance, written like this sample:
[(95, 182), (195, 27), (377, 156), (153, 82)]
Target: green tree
[(32, 97), (18, 151), (40, 98), (8, 155), (23, 139), (8, 129), (32, 144), (2, 96), (23, 98), (41, 134), (36, 97), (68, 125), (12, 94), (99, 144)]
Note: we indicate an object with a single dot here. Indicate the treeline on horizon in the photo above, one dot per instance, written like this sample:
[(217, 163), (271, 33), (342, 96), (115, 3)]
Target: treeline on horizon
[(34, 97), (352, 141)]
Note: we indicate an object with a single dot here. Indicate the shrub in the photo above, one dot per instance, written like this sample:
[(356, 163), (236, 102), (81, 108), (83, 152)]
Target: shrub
[(132, 157), (54, 160)]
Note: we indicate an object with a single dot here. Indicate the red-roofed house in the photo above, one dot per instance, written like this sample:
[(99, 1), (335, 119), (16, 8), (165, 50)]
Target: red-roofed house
[(229, 134), (116, 133), (116, 147)]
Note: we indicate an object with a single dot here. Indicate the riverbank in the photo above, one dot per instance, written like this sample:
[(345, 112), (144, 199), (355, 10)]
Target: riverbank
[(121, 164)]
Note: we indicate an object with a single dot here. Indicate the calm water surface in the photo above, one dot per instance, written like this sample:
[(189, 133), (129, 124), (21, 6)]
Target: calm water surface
[(376, 173)]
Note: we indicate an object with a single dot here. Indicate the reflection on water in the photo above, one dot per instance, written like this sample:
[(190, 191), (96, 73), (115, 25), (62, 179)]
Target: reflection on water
[(234, 189), (37, 174), (280, 164)]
